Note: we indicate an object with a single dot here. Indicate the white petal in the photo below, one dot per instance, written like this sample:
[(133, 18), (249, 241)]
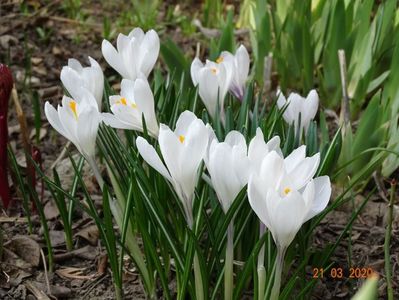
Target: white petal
[(196, 65), (211, 137), (281, 100), (87, 126), (311, 104), (274, 144), (98, 81), (171, 151), (257, 150), (52, 117), (220, 164), (272, 170), (321, 196), (235, 138), (114, 122), (136, 33), (286, 215), (145, 103), (113, 58), (242, 60), (305, 171), (191, 155), (71, 81), (127, 89), (294, 108), (184, 121), (257, 199), (151, 157), (150, 46), (208, 90), (241, 164), (75, 65), (295, 158)]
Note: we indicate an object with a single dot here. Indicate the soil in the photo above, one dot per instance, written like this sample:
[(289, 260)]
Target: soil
[(36, 60)]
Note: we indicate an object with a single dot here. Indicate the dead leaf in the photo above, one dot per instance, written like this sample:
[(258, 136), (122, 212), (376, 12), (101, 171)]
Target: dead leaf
[(57, 237), (7, 40), (74, 273), (27, 249), (50, 210), (36, 60), (102, 265), (42, 133), (13, 219), (56, 51), (90, 234), (56, 290), (88, 253), (39, 294)]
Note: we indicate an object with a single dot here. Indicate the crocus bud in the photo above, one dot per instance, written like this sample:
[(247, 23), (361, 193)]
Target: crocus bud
[(6, 84)]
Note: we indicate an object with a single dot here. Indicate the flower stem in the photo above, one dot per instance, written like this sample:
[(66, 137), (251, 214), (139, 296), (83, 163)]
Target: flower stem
[(261, 264), (118, 292), (387, 241), (96, 171), (228, 263), (199, 287), (277, 273)]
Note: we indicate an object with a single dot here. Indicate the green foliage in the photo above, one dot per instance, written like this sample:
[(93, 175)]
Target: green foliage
[(145, 12)]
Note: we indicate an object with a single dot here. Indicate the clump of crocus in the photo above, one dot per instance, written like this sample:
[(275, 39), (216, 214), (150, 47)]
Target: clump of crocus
[(6, 84)]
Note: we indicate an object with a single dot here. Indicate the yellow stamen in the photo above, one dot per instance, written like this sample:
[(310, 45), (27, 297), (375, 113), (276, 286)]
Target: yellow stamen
[(219, 60), (134, 105), (73, 107), (214, 71), (287, 190), (123, 101), (182, 138)]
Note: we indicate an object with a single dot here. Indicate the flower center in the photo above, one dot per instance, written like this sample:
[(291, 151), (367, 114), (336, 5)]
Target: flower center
[(219, 60), (286, 191), (122, 101), (182, 138), (73, 106), (214, 71)]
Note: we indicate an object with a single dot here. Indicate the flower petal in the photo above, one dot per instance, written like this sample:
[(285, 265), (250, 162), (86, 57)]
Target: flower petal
[(242, 61), (286, 216), (114, 122), (145, 102), (150, 47), (257, 199), (113, 58), (151, 157), (87, 125), (196, 66), (322, 195), (54, 120), (305, 171), (295, 158)]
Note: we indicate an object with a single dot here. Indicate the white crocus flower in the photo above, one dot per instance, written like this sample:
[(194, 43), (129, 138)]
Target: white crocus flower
[(213, 80), (284, 196), (228, 167), (136, 99), (299, 106), (240, 62), (136, 53), (77, 120), (74, 76), (258, 148), (182, 150)]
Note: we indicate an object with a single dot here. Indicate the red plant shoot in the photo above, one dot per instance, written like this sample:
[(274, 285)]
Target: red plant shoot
[(6, 84)]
